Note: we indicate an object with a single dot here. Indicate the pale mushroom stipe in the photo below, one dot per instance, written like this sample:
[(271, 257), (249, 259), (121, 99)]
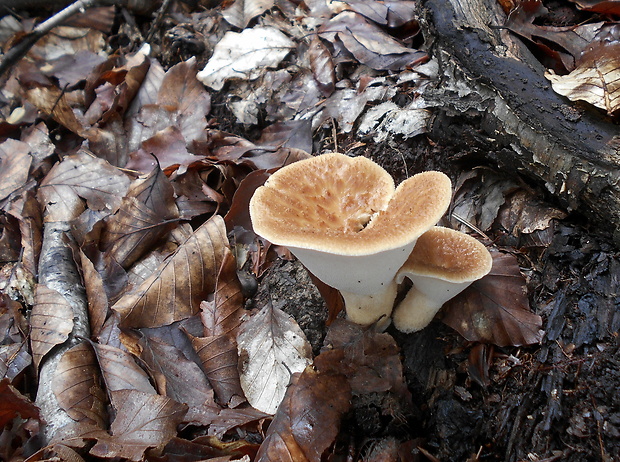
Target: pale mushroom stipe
[(343, 218), (443, 263)]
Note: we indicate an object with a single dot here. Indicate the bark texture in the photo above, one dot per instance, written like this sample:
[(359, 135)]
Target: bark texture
[(489, 73)]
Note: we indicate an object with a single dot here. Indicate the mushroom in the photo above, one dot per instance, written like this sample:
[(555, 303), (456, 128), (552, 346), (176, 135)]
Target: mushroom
[(443, 263), (345, 221)]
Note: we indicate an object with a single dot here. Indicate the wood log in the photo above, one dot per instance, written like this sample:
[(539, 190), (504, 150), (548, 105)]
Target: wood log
[(570, 149)]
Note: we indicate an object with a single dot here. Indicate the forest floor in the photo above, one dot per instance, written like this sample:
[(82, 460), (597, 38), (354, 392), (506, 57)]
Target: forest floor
[(467, 397)]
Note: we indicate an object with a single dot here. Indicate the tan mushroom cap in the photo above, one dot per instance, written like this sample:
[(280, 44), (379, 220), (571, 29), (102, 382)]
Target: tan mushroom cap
[(343, 219), (346, 206), (449, 255)]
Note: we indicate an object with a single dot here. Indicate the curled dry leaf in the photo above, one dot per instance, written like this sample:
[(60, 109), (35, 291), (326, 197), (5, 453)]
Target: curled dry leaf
[(218, 355), (245, 55), (271, 348), (95, 295), (322, 66), (596, 79), (308, 419), (495, 309), (77, 387), (143, 218), (180, 379), (175, 290), (51, 322), (142, 421), (77, 177), (120, 371), (14, 358)]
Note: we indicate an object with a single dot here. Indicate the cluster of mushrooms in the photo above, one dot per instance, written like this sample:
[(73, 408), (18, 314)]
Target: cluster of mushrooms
[(344, 219)]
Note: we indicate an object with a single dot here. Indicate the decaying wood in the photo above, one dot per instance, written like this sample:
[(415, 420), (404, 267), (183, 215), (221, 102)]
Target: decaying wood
[(57, 270), (488, 74)]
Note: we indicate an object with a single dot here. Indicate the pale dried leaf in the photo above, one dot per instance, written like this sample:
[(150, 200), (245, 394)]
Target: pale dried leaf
[(322, 66), (596, 79), (51, 322), (175, 290), (245, 55), (15, 163), (241, 12), (271, 348)]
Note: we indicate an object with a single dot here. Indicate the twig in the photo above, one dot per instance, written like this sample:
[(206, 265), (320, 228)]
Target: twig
[(19, 51)]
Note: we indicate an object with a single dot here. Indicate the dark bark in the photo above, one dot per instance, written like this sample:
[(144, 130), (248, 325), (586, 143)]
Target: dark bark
[(577, 161)]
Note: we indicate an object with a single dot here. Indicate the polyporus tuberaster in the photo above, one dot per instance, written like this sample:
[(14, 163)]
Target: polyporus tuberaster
[(443, 263), (345, 221)]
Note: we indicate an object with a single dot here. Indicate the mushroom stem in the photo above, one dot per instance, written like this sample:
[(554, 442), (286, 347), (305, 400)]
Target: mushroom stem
[(368, 309), (420, 306)]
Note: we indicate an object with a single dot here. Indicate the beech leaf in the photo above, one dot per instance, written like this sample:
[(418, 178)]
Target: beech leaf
[(142, 421), (241, 12), (245, 55), (175, 290), (120, 371), (76, 386), (13, 404), (495, 309), (51, 322), (308, 419), (271, 348), (15, 163)]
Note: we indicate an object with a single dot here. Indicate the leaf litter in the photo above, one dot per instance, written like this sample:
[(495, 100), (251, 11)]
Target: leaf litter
[(132, 155)]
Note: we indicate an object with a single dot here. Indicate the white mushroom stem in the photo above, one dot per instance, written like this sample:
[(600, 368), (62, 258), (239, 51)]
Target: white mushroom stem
[(370, 309), (423, 301), (443, 263)]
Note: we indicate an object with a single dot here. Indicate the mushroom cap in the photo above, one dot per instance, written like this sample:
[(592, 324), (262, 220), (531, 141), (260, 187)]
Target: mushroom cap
[(448, 255), (344, 220)]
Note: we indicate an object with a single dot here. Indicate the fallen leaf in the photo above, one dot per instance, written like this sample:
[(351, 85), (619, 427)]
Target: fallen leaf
[(308, 419), (175, 290), (595, 79), (14, 358), (77, 389), (495, 309), (78, 177), (271, 348), (14, 404), (51, 322), (142, 421), (180, 379), (322, 66), (241, 12), (245, 55), (15, 163), (144, 217), (229, 419), (120, 371)]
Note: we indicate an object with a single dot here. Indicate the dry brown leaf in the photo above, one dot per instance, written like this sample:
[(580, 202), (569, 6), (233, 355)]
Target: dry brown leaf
[(51, 322), (495, 309), (180, 379), (78, 177), (95, 295), (322, 66), (14, 404), (77, 387), (55, 103), (308, 419), (241, 12), (142, 421), (26, 209), (143, 218), (14, 358), (15, 163), (596, 79), (222, 316), (120, 371), (232, 418), (218, 355), (175, 290)]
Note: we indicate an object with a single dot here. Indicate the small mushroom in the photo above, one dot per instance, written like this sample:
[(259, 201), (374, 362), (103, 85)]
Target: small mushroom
[(443, 263), (345, 221)]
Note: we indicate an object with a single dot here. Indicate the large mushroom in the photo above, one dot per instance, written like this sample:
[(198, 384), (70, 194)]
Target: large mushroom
[(443, 263), (345, 221)]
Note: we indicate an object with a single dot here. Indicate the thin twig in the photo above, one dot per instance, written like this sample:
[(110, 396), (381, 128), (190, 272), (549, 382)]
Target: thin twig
[(19, 51)]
